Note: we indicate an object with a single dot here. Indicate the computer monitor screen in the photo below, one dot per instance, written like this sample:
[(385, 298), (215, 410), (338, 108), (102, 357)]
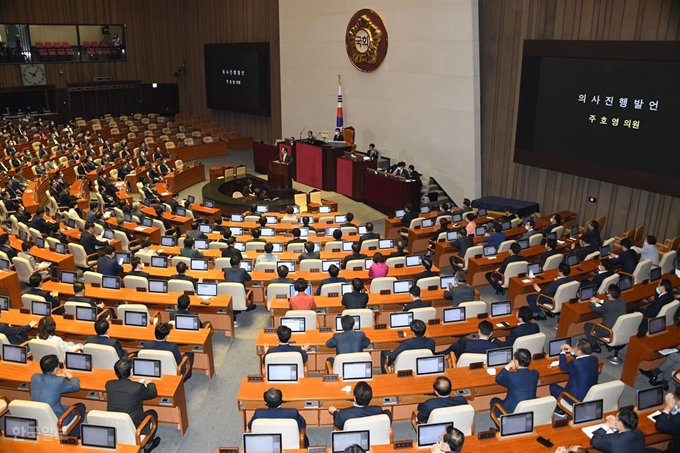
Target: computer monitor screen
[(206, 289), (589, 411), (502, 308), (77, 361), (262, 209), (122, 258), (330, 230), (523, 244), (572, 260), (587, 292), (41, 308), (148, 221), (290, 264), (357, 371), (430, 365), (427, 223), (456, 314), (605, 250), (181, 212), (210, 204), (506, 225), (86, 314), (158, 286), (146, 367), (445, 281), (399, 213), (262, 443), (414, 260), (4, 303), (294, 323), (201, 244), (199, 264), (340, 440), (247, 265), (655, 274), (324, 209), (574, 231), (60, 248), (296, 209), (21, 428), (159, 261), (237, 217), (340, 218), (400, 320), (4, 264), (480, 231), (326, 264), (71, 223), (317, 247), (368, 262), (345, 288), (12, 353), (657, 325), (555, 346), (204, 228), (451, 235), (282, 372), (489, 250), (308, 290), (424, 209), (108, 234), (236, 231), (190, 200), (347, 246), (385, 244), (68, 277), (40, 242), (498, 357), (651, 397), (457, 218), (127, 217), (481, 212), (110, 282), (240, 246), (362, 230), (430, 434), (267, 232), (515, 424), (401, 286), (272, 219), (168, 241), (187, 322), (535, 268), (625, 283), (136, 318), (338, 323), (304, 233)]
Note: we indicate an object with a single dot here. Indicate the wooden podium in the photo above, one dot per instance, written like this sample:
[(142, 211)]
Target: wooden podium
[(278, 175)]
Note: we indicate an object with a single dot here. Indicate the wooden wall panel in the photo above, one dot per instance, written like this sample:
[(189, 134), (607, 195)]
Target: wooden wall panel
[(504, 25), (161, 35)]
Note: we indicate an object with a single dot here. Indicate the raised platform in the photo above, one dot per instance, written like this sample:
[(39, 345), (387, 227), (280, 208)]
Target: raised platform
[(220, 192)]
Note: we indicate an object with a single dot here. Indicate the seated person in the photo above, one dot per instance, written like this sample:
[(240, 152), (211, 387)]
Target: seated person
[(400, 246), (628, 259), (301, 300), (418, 341), (296, 237), (107, 264), (551, 249), (463, 242), (333, 272), (290, 215), (26, 246), (475, 346), (188, 250), (563, 271), (284, 333), (428, 272), (230, 250), (349, 217), (273, 398), (582, 369), (497, 236), (525, 327), (443, 398), (604, 270), (79, 296), (508, 215), (664, 295), (181, 268), (363, 394), (555, 221), (282, 271), (378, 268), (496, 277), (267, 256), (138, 268), (648, 251), (355, 255), (17, 334), (47, 329), (370, 234), (621, 434), (35, 282), (530, 229), (182, 308), (452, 439), (235, 273), (416, 302), (162, 344), (348, 340), (521, 382), (460, 291), (357, 298), (585, 248), (101, 328)]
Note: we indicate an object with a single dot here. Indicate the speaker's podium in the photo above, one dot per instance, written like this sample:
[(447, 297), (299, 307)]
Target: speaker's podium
[(277, 177)]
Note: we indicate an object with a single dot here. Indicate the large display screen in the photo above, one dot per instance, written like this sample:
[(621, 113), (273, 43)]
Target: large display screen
[(237, 77), (604, 110)]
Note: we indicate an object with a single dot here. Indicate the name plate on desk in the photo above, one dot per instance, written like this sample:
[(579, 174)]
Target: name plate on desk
[(385, 292), (281, 296), (398, 266), (96, 285), (117, 322), (255, 378), (357, 268), (335, 250), (432, 288), (228, 450), (140, 289), (486, 435), (325, 329), (482, 315), (189, 293), (25, 311), (538, 356), (380, 326), (68, 316), (433, 322), (260, 251), (404, 373), (330, 378), (559, 423), (373, 248), (314, 270), (269, 330), (333, 294), (269, 271), (402, 444), (476, 365), (68, 440)]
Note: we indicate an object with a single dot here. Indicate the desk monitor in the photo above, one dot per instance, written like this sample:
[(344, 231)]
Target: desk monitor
[(427, 223), (290, 264), (523, 244), (304, 232), (146, 368), (240, 246), (324, 209), (340, 440), (41, 308), (60, 248), (445, 281), (190, 200), (340, 218), (326, 264), (182, 212), (206, 289), (4, 303), (122, 258), (329, 230), (68, 277), (21, 428), (456, 314), (517, 424), (345, 288), (57, 218), (14, 354), (267, 232), (401, 286), (506, 225), (625, 283), (277, 247), (425, 209), (158, 286), (262, 209), (127, 217), (657, 325), (294, 323), (498, 357), (572, 260), (385, 244), (502, 308), (282, 372), (362, 230), (147, 202), (40, 242), (201, 244), (414, 260), (399, 320), (357, 371), (237, 218), (199, 264), (247, 265), (308, 290), (605, 250), (457, 218), (399, 213), (71, 223), (108, 234), (159, 261), (535, 268), (368, 262), (168, 241), (317, 247), (555, 346), (586, 292), (4, 264), (110, 282), (187, 322), (347, 246), (272, 219), (338, 323), (430, 434), (262, 443), (489, 250), (574, 231), (651, 397), (147, 222), (429, 365), (296, 209), (88, 314), (136, 318), (236, 231), (79, 362), (451, 236), (210, 204), (480, 230), (587, 412), (481, 212), (654, 274), (551, 236)]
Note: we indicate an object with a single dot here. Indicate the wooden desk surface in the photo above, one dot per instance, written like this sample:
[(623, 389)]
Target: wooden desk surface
[(34, 195), (65, 262), (9, 280), (52, 444), (217, 253), (645, 349)]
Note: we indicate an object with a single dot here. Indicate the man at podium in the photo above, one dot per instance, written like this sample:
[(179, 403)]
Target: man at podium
[(287, 159)]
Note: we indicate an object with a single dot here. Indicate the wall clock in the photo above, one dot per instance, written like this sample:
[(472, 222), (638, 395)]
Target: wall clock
[(33, 74)]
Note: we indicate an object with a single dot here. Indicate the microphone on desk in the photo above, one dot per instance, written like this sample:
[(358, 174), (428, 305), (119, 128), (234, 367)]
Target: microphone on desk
[(303, 129)]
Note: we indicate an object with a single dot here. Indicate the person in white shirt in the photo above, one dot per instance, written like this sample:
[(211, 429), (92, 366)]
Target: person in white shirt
[(267, 256), (47, 328), (648, 251)]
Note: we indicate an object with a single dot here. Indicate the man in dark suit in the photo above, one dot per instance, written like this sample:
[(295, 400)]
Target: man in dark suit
[(664, 295), (363, 394), (17, 334), (416, 302), (101, 327), (356, 298), (5, 247), (181, 268), (79, 296), (333, 272), (400, 246), (35, 283), (162, 344), (418, 341), (273, 399), (582, 370), (604, 270), (89, 241), (282, 272), (107, 264), (234, 273), (495, 278), (195, 233), (530, 230), (164, 167), (610, 310), (551, 250), (284, 333), (442, 390), (563, 271), (125, 395), (372, 153), (476, 346), (427, 272), (348, 340), (183, 303), (668, 422), (349, 217), (370, 234), (628, 259), (355, 255), (525, 327), (338, 137), (585, 248), (231, 251), (521, 383), (409, 215), (137, 266), (461, 291), (625, 438), (39, 223), (593, 233)]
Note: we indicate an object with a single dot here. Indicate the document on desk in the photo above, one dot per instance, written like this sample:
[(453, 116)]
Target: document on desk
[(526, 280), (589, 430), (653, 416), (668, 351), (140, 228)]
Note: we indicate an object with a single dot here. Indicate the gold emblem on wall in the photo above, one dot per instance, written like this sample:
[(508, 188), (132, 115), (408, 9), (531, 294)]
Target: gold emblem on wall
[(366, 40)]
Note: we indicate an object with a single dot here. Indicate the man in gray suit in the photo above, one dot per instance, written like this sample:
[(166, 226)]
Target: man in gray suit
[(188, 250), (460, 292), (610, 310), (348, 340)]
